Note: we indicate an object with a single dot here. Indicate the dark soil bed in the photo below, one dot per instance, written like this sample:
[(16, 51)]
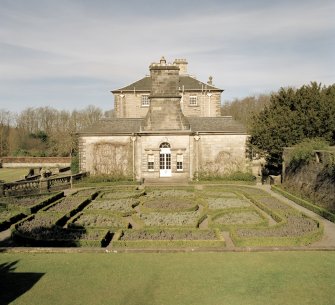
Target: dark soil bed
[(169, 204)]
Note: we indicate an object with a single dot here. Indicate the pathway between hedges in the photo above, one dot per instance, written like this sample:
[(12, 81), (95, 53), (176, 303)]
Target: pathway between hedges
[(328, 239), (326, 243)]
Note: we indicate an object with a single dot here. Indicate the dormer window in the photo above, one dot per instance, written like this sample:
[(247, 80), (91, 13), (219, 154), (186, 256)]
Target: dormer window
[(193, 101), (145, 100)]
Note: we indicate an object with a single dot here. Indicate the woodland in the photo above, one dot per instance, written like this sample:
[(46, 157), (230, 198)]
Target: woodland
[(274, 121)]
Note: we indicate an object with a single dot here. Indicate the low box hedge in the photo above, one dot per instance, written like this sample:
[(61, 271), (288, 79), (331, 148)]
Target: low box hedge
[(104, 237), (212, 224), (306, 204), (303, 240), (176, 243), (16, 216)]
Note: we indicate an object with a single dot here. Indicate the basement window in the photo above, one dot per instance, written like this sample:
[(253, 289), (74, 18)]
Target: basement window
[(145, 100)]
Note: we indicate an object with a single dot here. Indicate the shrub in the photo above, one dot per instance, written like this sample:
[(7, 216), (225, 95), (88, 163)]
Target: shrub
[(75, 165), (237, 176), (304, 151)]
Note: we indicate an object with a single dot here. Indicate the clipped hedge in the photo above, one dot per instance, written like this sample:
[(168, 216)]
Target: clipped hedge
[(92, 221), (73, 237), (29, 208), (276, 241), (176, 243), (306, 204), (212, 224), (6, 223)]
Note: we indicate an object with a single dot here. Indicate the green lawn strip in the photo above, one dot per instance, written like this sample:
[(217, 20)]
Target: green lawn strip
[(168, 238), (13, 174), (276, 278), (306, 204)]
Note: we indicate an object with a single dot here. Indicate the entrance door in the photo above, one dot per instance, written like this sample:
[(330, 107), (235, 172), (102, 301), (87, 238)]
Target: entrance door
[(165, 160)]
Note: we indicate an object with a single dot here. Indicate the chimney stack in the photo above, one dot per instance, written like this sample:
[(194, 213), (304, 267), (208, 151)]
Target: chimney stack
[(182, 65)]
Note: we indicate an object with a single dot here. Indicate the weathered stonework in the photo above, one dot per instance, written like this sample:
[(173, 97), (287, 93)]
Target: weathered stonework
[(165, 112), (178, 133)]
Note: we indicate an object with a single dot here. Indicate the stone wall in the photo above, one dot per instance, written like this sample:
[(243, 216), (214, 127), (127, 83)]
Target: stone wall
[(129, 105), (221, 154), (314, 180), (206, 106), (110, 155)]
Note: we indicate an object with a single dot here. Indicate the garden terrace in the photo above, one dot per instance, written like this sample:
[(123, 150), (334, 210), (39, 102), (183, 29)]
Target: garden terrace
[(164, 217), (15, 208)]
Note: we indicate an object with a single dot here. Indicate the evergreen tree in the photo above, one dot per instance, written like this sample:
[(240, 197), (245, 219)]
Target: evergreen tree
[(292, 116)]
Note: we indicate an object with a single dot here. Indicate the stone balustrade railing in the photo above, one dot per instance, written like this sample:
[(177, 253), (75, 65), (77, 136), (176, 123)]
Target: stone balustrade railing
[(39, 185)]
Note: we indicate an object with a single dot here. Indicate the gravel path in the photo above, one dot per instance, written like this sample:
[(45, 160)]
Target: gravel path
[(328, 239)]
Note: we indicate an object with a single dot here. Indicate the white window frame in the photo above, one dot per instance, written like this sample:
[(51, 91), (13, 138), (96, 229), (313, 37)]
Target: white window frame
[(193, 100), (145, 102), (180, 162), (151, 163)]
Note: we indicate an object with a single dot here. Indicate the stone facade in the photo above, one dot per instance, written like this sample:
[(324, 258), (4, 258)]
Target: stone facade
[(169, 136), (198, 99)]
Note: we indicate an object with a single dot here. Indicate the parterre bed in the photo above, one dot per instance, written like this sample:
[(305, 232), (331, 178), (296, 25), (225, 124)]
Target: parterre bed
[(166, 217)]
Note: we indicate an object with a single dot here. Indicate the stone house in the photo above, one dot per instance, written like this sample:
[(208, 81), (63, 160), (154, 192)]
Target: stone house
[(167, 124)]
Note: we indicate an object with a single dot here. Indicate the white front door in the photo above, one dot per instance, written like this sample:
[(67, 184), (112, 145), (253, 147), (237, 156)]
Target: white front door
[(165, 162)]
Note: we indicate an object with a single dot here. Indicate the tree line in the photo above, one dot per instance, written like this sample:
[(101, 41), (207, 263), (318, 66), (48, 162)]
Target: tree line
[(286, 118), (275, 121), (44, 131)]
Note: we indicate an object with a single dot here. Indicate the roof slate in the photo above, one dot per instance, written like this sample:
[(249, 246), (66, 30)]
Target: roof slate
[(198, 124), (113, 126), (225, 124), (186, 81)]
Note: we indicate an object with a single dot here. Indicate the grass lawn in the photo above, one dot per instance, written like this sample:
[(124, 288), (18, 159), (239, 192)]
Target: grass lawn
[(176, 278), (12, 174)]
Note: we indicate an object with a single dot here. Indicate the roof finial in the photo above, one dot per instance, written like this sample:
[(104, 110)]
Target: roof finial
[(163, 61)]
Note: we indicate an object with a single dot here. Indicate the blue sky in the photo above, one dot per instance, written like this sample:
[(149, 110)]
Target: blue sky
[(69, 54)]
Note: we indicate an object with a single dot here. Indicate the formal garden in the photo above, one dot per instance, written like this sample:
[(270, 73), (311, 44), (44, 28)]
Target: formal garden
[(136, 217)]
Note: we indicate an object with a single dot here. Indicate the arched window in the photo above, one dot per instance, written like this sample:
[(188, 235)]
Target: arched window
[(165, 145), (165, 160)]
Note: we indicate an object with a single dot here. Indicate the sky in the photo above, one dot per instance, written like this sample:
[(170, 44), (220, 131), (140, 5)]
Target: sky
[(68, 54)]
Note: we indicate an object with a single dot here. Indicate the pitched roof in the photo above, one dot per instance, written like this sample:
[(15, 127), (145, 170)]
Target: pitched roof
[(113, 126), (186, 81), (198, 124), (225, 124)]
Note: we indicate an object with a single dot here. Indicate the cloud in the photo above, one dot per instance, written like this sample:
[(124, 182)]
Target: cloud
[(245, 45)]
